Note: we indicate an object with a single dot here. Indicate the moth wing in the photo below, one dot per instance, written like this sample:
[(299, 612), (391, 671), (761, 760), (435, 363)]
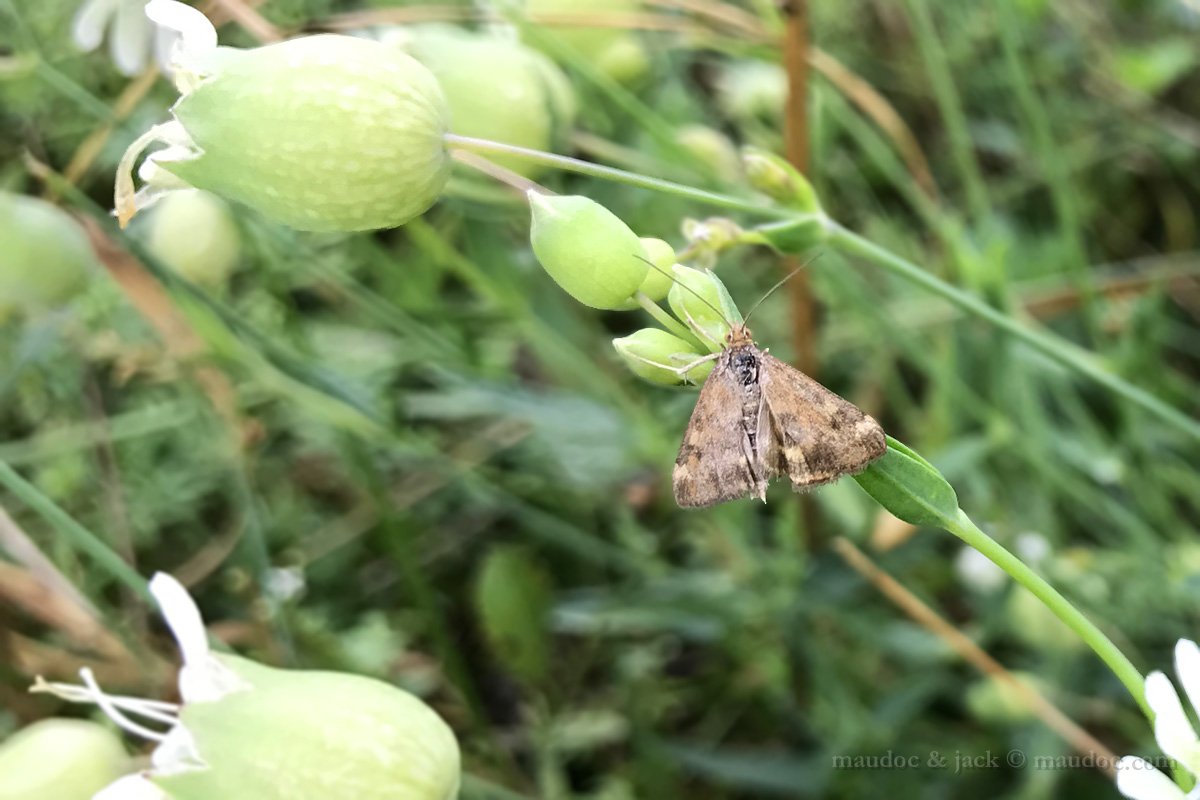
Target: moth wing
[(815, 436), (714, 459)]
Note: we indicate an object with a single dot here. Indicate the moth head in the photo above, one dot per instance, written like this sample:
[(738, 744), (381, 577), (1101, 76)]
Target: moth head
[(738, 335)]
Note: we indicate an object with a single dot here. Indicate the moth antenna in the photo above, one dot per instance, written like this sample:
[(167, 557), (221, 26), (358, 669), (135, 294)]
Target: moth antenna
[(786, 278), (683, 285)]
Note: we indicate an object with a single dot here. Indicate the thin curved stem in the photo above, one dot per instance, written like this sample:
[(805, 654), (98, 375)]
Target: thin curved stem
[(666, 320), (569, 164), (1109, 653)]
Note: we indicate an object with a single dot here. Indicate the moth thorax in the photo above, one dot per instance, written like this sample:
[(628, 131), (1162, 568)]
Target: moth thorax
[(744, 363)]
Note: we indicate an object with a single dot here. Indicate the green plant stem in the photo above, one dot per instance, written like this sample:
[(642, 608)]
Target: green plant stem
[(569, 164), (80, 537), (1109, 653), (1049, 345), (666, 320)]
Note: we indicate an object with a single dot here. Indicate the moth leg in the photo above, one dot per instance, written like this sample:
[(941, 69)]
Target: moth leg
[(683, 371)]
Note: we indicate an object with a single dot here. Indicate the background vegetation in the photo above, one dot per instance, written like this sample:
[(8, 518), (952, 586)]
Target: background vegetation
[(408, 454)]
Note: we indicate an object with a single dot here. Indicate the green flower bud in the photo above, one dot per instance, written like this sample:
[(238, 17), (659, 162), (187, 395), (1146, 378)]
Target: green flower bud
[(713, 149), (513, 601), (587, 250), (1037, 626), (63, 759), (589, 41), (499, 90), (301, 735), (657, 281), (624, 60), (997, 702), (45, 258), (752, 90), (322, 132), (779, 180), (194, 234), (700, 301), (657, 356)]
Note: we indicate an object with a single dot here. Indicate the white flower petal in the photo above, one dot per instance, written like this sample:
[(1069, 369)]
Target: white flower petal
[(182, 617), (1187, 669), (197, 36), (131, 787), (176, 753), (1172, 729), (129, 41), (1139, 780), (87, 29), (202, 679), (164, 46)]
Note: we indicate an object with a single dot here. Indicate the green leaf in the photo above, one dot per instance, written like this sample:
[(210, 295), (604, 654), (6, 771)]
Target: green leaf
[(513, 597), (909, 487)]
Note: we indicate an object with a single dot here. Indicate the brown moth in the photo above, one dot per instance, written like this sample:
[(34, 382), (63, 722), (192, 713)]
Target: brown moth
[(758, 418)]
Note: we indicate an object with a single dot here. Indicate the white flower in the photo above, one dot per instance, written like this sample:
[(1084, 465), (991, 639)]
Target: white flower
[(246, 731), (1173, 731), (131, 37), (202, 679)]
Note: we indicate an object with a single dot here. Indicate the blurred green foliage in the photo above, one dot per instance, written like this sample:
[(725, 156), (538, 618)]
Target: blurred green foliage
[(446, 450)]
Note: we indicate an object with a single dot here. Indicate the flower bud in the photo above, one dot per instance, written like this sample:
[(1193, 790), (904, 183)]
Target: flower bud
[(713, 149), (322, 132), (779, 180), (1037, 626), (658, 281), (752, 90), (711, 236), (700, 301), (498, 89), (624, 60), (301, 735), (588, 41), (656, 355), (193, 233), (45, 258), (997, 702), (63, 759), (587, 250)]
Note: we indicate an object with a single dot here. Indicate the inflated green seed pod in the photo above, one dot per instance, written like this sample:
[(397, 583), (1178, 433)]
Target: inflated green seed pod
[(498, 89), (60, 759), (327, 132), (307, 735)]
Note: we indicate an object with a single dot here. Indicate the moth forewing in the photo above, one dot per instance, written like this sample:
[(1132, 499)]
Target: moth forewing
[(759, 418), (820, 436), (713, 464)]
